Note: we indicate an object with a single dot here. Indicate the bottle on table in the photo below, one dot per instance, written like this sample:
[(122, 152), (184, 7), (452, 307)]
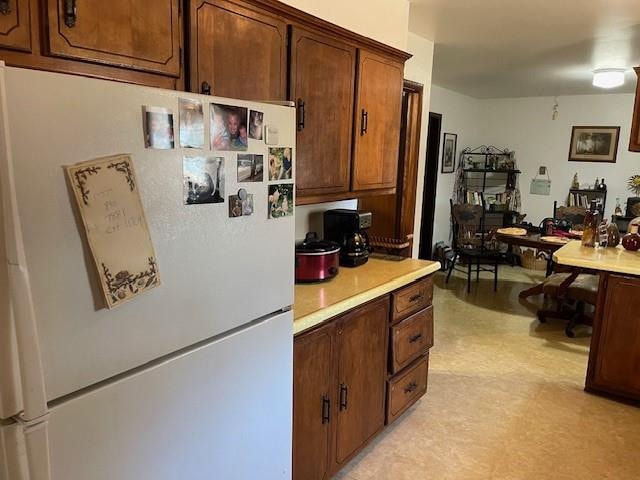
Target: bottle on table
[(603, 234), (613, 235), (590, 233), (618, 211)]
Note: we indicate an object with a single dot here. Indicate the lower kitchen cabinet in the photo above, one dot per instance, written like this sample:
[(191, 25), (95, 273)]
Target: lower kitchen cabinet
[(614, 357), (313, 399), (339, 390)]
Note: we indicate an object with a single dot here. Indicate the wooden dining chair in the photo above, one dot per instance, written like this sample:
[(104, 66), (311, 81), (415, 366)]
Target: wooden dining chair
[(472, 243)]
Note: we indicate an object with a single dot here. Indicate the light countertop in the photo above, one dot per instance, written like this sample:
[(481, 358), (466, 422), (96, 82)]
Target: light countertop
[(318, 302), (616, 260)]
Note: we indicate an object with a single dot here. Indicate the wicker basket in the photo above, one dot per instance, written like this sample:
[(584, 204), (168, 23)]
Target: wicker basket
[(532, 261)]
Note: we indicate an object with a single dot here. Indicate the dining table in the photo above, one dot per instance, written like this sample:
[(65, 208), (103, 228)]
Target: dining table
[(538, 242)]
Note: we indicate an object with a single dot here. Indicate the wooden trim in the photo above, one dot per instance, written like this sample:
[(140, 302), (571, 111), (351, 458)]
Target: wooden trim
[(334, 197), (634, 141), (296, 16)]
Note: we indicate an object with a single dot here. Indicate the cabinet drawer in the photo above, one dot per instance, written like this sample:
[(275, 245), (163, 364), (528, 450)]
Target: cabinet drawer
[(412, 298), (411, 338), (405, 389)]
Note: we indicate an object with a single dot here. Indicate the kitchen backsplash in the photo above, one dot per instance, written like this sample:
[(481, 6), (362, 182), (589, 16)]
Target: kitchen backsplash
[(309, 217)]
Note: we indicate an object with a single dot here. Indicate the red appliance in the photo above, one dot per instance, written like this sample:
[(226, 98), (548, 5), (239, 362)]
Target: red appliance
[(316, 260)]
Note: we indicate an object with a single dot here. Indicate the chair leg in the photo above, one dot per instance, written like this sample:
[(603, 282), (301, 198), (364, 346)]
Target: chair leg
[(470, 266), (495, 276), (574, 320), (478, 270), (451, 265)]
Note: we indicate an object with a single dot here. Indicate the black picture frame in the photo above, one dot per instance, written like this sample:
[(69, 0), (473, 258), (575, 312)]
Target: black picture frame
[(449, 150), (586, 135)]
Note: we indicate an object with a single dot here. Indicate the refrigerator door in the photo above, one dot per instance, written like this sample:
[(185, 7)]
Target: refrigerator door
[(221, 411), (217, 273)]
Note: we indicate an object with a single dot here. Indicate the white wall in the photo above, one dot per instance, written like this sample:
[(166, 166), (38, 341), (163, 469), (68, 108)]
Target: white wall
[(383, 20), (386, 21), (418, 69), (525, 125), (460, 115)]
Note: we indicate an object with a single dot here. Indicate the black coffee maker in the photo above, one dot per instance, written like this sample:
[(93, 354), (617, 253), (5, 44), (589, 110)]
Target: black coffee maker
[(348, 229)]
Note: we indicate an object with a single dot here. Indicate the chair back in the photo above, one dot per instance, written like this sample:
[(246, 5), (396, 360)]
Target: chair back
[(468, 225), (573, 215)]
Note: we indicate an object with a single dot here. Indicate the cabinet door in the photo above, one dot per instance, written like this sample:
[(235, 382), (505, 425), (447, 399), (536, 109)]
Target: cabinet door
[(322, 85), (313, 406), (377, 122), (15, 27), (237, 51), (128, 33), (618, 353), (361, 364), (634, 143)]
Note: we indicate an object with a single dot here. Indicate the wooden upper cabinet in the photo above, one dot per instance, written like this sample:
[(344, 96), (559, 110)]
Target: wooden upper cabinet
[(361, 365), (237, 51), (634, 143), (377, 122), (15, 26), (313, 403), (322, 85), (127, 33)]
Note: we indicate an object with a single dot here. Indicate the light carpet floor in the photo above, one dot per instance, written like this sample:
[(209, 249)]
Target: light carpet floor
[(505, 399)]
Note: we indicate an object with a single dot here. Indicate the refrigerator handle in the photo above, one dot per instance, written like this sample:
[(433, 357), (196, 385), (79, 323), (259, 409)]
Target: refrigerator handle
[(35, 410)]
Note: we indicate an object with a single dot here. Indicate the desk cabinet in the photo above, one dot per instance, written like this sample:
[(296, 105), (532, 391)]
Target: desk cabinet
[(614, 359)]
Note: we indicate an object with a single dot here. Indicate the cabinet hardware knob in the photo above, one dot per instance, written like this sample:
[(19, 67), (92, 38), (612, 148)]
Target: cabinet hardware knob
[(5, 7), (415, 338), (326, 409), (301, 114), (205, 88), (70, 13), (411, 387), (364, 122), (344, 392)]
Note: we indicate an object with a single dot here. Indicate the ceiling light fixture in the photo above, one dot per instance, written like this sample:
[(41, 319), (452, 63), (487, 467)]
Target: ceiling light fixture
[(608, 77)]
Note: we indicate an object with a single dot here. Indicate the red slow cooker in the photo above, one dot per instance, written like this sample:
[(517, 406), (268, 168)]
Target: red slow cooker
[(316, 260)]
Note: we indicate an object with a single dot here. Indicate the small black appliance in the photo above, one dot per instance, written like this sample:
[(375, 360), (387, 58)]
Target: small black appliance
[(348, 228)]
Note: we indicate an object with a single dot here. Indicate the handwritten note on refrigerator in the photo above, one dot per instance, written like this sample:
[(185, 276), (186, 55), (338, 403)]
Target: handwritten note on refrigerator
[(107, 196)]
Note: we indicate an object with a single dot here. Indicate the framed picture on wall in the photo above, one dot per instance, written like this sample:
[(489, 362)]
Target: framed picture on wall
[(594, 144), (449, 153)]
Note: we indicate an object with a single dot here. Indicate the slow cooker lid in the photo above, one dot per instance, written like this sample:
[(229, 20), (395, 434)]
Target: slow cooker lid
[(312, 244)]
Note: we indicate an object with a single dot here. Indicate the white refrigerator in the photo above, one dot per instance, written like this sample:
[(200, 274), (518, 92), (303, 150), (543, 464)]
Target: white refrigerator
[(191, 380)]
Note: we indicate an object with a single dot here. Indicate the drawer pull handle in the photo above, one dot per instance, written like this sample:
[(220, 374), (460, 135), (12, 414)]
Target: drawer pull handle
[(415, 298), (5, 7), (326, 409), (411, 387), (415, 338), (301, 114), (364, 122), (70, 13), (205, 88), (344, 392)]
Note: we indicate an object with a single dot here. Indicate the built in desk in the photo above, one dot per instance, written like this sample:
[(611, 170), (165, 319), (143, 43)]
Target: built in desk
[(614, 357)]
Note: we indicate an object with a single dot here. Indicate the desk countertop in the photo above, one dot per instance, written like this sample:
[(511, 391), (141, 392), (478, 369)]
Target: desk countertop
[(318, 302), (617, 260)]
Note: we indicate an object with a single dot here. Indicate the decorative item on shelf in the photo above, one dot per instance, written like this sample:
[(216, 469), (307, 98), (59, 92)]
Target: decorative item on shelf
[(631, 241), (602, 187), (618, 210), (594, 144), (596, 183), (613, 235), (575, 183)]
